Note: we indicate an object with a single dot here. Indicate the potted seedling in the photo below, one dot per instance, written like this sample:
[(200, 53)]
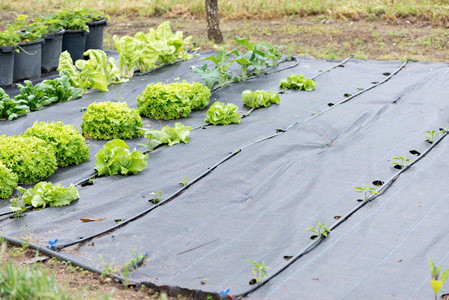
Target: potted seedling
[(27, 59), (8, 39), (97, 22), (76, 30), (52, 47)]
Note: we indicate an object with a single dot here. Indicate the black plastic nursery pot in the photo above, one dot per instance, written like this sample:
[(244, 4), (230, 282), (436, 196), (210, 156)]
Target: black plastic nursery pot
[(94, 39), (6, 65), (51, 50), (28, 60), (73, 41)]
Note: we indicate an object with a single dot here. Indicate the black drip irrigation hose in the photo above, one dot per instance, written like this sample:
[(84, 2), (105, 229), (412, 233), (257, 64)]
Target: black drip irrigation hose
[(350, 97), (343, 218), (146, 211)]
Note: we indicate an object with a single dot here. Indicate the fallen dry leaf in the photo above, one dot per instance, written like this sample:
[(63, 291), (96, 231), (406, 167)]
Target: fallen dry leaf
[(92, 220)]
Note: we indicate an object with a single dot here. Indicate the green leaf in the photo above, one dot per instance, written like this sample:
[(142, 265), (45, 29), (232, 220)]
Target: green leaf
[(436, 286), (445, 275), (210, 77)]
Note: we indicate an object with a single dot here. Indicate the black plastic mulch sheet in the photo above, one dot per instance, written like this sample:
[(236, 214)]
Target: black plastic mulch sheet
[(257, 204)]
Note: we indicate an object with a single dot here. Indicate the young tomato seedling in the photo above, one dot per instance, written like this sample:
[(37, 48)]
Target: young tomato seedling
[(437, 284), (259, 270), (366, 191), (322, 230), (400, 161)]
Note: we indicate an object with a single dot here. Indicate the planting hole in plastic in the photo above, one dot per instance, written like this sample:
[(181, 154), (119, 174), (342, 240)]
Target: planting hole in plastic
[(253, 281), (399, 167), (337, 217), (386, 74), (359, 200), (378, 182), (414, 152), (330, 104), (287, 257), (313, 237)]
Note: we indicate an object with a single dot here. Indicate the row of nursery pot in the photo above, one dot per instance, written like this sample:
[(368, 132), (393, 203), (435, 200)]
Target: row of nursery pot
[(29, 49)]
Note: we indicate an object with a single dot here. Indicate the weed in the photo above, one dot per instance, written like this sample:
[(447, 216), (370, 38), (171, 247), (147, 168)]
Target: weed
[(17, 207), (107, 268), (259, 270), (437, 284), (28, 282), (365, 191), (322, 230)]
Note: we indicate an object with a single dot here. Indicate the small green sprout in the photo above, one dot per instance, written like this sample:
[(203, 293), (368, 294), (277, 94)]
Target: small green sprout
[(433, 134), (259, 270), (401, 160), (437, 284), (184, 181), (156, 198), (322, 230), (366, 191), (17, 207)]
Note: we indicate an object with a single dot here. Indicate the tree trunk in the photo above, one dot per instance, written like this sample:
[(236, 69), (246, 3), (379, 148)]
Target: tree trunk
[(213, 22)]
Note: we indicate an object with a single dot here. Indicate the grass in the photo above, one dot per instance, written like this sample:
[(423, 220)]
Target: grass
[(434, 11)]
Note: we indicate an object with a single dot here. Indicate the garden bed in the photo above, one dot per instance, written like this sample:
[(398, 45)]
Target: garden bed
[(254, 187)]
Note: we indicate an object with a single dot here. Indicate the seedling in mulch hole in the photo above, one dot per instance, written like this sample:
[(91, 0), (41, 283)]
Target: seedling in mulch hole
[(433, 134), (437, 284), (347, 95), (156, 198), (366, 191), (400, 163), (259, 271), (415, 152), (184, 181), (322, 230)]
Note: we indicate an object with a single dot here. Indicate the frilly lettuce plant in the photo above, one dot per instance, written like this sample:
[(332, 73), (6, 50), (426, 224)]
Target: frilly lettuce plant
[(298, 82), (261, 98), (163, 101), (116, 158), (30, 158), (167, 135), (44, 193), (148, 51), (68, 144), (221, 114), (111, 120), (8, 181), (197, 93), (96, 73)]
